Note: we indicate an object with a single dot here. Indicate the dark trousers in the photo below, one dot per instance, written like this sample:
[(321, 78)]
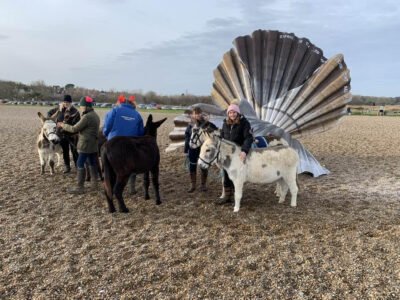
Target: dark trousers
[(66, 145), (227, 181), (193, 158)]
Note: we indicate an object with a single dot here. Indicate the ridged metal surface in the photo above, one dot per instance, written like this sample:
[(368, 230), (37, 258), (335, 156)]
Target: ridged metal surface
[(285, 82)]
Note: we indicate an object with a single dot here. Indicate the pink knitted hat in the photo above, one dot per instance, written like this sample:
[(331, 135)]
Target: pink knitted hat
[(233, 107)]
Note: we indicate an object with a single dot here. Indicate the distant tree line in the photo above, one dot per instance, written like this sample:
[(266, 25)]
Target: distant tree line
[(39, 91), (368, 100)]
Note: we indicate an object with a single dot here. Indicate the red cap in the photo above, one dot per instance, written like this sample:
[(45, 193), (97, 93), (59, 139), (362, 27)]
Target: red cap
[(132, 98), (121, 99), (88, 99)]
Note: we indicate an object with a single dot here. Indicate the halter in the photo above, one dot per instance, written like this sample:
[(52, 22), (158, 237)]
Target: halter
[(196, 134), (215, 158), (54, 131)]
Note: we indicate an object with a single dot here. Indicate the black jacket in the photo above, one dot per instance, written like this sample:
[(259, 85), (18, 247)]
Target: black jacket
[(239, 133), (70, 116), (188, 131)]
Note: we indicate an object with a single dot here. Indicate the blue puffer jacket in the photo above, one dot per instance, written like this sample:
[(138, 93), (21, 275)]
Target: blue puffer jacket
[(123, 120)]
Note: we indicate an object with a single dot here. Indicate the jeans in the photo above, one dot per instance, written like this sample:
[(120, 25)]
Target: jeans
[(92, 157)]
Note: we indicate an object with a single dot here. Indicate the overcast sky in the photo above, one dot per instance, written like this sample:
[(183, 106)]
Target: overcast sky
[(173, 46)]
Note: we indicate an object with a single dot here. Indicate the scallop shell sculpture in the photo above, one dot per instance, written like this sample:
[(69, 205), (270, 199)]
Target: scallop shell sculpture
[(286, 88)]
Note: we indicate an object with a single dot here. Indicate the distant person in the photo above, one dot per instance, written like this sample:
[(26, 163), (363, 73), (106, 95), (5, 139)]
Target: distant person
[(68, 114), (124, 120), (197, 119), (348, 111), (88, 128), (381, 110)]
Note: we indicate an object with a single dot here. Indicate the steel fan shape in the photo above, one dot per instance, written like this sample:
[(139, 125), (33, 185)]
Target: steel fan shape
[(286, 80), (285, 87)]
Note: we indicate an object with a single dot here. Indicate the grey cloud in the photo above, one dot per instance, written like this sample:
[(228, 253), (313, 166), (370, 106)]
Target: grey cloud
[(4, 37), (223, 22)]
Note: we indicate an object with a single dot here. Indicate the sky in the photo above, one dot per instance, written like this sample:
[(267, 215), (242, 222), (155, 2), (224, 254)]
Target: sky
[(172, 47)]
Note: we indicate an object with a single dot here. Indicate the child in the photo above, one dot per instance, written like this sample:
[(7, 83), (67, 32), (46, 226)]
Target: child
[(193, 154)]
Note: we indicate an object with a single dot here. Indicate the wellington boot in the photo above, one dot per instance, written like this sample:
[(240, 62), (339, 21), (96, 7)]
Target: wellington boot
[(79, 189), (94, 182), (192, 183), (67, 169)]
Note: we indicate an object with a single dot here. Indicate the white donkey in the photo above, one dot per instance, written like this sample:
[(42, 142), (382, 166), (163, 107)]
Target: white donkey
[(48, 143), (199, 135), (275, 163)]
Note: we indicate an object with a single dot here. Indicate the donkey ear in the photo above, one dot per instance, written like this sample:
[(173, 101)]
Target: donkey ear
[(41, 117), (158, 123), (217, 133)]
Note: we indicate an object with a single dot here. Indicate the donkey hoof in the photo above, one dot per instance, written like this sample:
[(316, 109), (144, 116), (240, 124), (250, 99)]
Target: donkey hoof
[(158, 202), (236, 209), (124, 210), (146, 197), (111, 210)]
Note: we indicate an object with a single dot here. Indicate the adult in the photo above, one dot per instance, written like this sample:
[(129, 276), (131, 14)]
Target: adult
[(88, 128), (381, 110), (193, 154), (124, 120), (236, 129), (67, 113)]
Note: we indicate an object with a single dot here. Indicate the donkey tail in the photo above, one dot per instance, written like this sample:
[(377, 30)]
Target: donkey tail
[(109, 175)]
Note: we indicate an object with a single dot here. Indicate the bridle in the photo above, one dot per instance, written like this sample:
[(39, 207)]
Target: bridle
[(196, 134), (216, 157), (54, 131)]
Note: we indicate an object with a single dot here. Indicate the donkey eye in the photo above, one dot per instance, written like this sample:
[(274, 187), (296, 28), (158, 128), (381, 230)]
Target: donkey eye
[(208, 150)]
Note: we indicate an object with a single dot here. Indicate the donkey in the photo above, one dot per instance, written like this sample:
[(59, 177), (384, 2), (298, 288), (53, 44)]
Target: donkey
[(276, 163), (48, 144), (122, 156), (199, 135)]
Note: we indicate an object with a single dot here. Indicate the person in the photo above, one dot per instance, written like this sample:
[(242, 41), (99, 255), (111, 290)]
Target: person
[(381, 110), (88, 128), (236, 128), (124, 120), (68, 114), (193, 154)]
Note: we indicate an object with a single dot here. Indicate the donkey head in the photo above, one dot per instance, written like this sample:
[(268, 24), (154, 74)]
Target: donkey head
[(209, 150), (49, 129), (151, 127)]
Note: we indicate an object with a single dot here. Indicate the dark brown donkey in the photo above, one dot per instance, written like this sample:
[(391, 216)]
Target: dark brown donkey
[(122, 156)]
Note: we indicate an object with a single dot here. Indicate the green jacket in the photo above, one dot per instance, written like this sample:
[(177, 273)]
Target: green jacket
[(88, 128)]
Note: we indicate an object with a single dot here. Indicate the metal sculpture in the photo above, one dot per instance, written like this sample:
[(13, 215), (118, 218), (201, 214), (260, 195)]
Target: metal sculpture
[(286, 88)]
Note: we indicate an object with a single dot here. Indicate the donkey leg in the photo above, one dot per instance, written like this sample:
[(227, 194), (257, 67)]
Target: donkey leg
[(283, 190), (111, 207), (118, 190), (51, 163), (42, 163), (293, 190), (278, 188), (238, 195), (154, 177), (146, 183), (223, 189)]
